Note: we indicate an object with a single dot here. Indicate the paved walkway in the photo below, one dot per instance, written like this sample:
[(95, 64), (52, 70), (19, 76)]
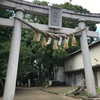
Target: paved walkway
[(36, 94)]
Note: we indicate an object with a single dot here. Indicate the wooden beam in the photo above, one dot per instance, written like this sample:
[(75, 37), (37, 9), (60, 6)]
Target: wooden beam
[(10, 23)]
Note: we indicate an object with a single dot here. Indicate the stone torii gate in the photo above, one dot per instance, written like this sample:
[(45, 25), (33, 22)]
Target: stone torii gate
[(20, 7)]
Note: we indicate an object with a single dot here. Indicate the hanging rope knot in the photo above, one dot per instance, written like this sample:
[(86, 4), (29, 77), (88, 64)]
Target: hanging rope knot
[(55, 46), (36, 35), (66, 46), (44, 43), (74, 42)]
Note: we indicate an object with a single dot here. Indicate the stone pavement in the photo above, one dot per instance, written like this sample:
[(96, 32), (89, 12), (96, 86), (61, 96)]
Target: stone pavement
[(35, 93)]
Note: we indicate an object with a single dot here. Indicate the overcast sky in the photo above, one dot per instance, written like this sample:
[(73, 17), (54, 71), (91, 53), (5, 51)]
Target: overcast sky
[(92, 5)]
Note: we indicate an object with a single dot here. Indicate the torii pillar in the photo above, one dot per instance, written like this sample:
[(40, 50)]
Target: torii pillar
[(90, 83), (10, 84)]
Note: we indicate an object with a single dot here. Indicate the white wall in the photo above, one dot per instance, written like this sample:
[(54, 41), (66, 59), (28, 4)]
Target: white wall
[(95, 55), (76, 62), (73, 63)]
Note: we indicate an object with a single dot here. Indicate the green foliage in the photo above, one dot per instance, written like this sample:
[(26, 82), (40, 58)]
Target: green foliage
[(44, 3), (26, 59), (5, 32), (97, 90), (59, 56), (5, 38), (5, 13), (75, 8)]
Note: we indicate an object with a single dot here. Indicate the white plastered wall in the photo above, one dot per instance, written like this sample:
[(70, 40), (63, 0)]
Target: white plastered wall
[(75, 62)]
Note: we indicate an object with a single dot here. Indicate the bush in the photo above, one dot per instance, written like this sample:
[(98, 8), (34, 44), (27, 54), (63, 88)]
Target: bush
[(57, 83)]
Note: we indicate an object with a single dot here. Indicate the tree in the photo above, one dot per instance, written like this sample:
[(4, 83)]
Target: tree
[(46, 55), (34, 58), (5, 38)]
